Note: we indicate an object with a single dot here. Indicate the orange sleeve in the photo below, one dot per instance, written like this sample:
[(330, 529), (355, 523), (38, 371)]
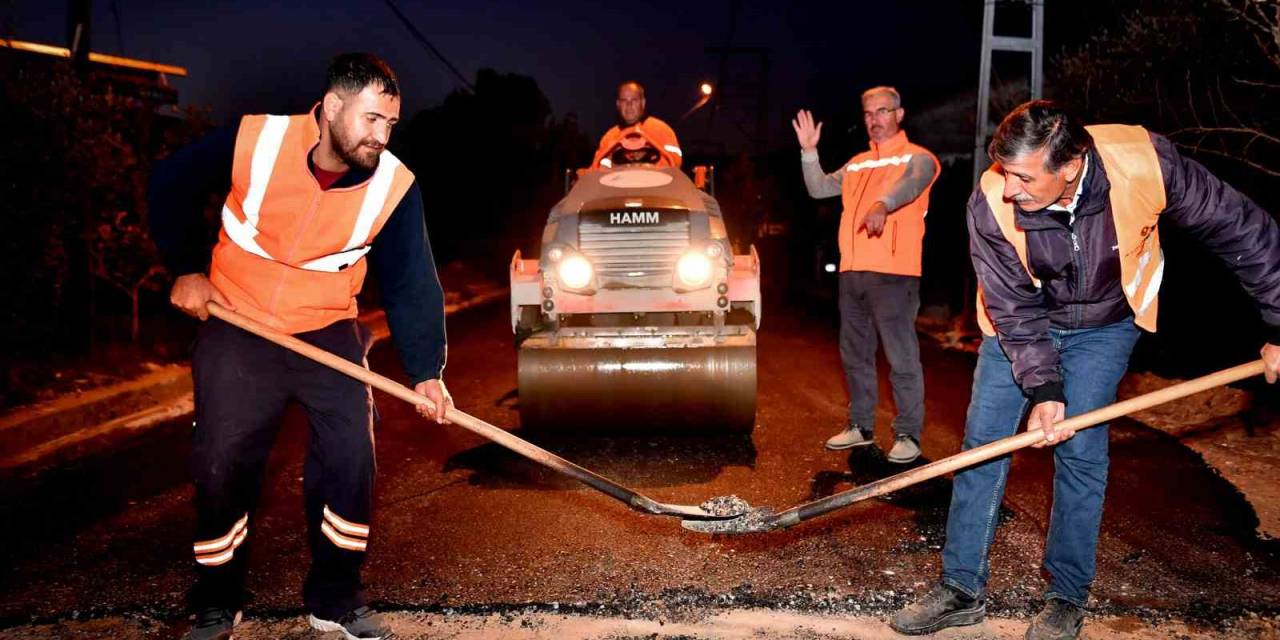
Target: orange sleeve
[(607, 141), (665, 137)]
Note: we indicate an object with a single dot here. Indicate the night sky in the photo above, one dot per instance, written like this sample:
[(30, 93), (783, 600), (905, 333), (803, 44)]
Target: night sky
[(247, 58)]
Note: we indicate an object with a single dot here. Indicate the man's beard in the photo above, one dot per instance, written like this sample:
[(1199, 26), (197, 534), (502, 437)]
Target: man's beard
[(359, 153)]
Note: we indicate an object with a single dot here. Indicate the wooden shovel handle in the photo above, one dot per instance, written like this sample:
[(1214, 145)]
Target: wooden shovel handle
[(466, 421), (1013, 443)]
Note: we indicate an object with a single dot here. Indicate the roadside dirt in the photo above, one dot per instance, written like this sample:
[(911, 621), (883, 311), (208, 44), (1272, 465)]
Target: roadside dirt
[(753, 624), (1235, 437)]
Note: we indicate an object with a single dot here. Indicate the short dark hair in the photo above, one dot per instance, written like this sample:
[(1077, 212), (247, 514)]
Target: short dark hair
[(352, 72), (1036, 125), (639, 87)]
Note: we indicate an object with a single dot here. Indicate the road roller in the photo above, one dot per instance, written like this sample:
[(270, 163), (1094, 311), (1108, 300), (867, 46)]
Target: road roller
[(637, 316)]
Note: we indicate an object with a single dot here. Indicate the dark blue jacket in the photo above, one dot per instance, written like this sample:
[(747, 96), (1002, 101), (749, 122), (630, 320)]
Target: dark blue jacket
[(1078, 263)]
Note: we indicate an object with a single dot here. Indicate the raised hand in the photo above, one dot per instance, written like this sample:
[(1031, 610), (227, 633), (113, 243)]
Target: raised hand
[(806, 132)]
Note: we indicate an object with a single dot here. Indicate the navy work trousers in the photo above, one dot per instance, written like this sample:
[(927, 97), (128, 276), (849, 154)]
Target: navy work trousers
[(242, 386)]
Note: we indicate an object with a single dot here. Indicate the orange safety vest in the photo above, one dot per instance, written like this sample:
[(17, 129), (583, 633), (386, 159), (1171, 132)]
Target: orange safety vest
[(291, 255), (867, 177), (1137, 198), (657, 132)]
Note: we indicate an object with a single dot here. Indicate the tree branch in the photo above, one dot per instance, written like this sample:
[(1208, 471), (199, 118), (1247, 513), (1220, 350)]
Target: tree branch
[(1255, 83), (1246, 131), (1222, 154)]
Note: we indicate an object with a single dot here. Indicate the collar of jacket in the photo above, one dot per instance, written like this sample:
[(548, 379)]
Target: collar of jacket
[(353, 176), (623, 126), (891, 147), (1093, 200)]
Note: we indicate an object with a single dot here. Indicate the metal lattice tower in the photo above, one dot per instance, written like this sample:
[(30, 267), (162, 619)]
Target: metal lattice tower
[(1033, 45)]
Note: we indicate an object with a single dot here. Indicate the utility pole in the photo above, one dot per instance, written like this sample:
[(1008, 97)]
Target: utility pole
[(1033, 45), (79, 13), (742, 88), (742, 92)]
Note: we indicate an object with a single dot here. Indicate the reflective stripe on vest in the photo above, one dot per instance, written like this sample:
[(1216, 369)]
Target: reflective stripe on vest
[(864, 181), (1137, 198), (265, 152), (876, 164), (375, 198)]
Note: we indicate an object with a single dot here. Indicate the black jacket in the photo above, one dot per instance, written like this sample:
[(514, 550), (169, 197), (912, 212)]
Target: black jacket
[(1077, 261)]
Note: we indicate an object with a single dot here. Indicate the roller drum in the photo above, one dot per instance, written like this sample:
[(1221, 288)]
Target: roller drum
[(639, 390)]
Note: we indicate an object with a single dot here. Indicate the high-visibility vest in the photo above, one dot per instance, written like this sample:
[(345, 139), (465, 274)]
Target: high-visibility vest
[(657, 132), (290, 254), (868, 176), (1137, 198)]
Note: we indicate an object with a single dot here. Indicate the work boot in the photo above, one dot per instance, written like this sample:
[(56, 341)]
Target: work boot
[(851, 437), (905, 449), (214, 624), (361, 623), (1058, 620), (944, 606)]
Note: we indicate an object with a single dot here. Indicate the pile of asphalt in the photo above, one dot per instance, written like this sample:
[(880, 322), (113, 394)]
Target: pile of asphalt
[(730, 505)]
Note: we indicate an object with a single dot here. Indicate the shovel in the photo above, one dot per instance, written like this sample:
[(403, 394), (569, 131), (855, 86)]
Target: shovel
[(721, 507), (759, 520)]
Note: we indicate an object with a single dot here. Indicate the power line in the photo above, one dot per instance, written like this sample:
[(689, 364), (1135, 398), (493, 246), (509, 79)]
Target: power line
[(430, 47), (115, 11)]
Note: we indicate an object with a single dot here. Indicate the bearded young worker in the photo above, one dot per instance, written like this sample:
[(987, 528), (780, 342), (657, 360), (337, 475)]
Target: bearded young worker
[(311, 201), (1065, 243)]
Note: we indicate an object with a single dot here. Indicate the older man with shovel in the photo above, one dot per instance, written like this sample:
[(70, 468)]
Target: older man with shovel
[(1065, 243)]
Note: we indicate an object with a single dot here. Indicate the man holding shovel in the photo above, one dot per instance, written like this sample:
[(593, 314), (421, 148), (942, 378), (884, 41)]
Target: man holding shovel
[(1066, 247), (311, 201)]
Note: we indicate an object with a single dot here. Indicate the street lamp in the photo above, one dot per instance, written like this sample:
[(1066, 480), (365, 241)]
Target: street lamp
[(705, 89)]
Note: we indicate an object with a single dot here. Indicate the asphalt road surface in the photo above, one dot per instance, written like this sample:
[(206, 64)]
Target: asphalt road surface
[(462, 525)]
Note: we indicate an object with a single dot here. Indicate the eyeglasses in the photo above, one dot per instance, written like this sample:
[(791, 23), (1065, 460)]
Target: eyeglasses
[(879, 113)]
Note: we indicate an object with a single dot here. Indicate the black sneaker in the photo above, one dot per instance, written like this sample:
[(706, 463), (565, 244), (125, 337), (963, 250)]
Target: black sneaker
[(944, 606), (362, 623), (1058, 620), (214, 624)]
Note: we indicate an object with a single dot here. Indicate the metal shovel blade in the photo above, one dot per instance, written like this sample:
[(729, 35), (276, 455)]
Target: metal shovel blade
[(757, 520), (719, 508)]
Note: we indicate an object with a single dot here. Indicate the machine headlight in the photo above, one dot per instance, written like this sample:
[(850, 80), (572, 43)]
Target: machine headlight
[(555, 253), (694, 269), (575, 272)]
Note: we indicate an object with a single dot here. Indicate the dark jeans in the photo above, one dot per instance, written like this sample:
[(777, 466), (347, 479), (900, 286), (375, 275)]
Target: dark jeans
[(879, 307), (1093, 361), (242, 385)]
